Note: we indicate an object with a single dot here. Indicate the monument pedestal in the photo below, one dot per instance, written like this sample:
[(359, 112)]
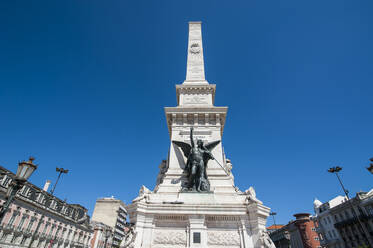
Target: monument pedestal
[(170, 216), (198, 220)]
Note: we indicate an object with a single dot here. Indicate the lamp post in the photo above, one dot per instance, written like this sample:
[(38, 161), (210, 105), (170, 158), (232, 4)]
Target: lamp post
[(24, 171), (336, 170), (370, 168), (273, 216), (60, 171)]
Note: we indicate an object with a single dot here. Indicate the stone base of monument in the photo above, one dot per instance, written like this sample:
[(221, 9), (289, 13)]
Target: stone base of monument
[(192, 219)]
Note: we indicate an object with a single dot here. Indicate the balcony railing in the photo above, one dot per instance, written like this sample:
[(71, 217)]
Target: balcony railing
[(20, 228), (77, 244), (36, 235), (42, 236), (27, 232), (353, 220), (8, 227), (18, 231), (326, 241)]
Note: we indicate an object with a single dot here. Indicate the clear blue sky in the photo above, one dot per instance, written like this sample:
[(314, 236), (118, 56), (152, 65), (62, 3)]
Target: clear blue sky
[(83, 85)]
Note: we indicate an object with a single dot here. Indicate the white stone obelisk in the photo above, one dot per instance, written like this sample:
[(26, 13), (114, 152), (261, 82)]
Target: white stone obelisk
[(169, 216), (195, 66)]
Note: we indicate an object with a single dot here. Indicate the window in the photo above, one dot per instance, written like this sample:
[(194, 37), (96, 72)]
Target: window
[(197, 237), (316, 238), (347, 214), (334, 234), (369, 210), (21, 223), (360, 210), (11, 221), (30, 225), (51, 229), (313, 229), (45, 228), (329, 220)]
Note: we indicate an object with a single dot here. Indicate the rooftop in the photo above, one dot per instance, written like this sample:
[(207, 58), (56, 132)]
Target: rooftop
[(273, 227)]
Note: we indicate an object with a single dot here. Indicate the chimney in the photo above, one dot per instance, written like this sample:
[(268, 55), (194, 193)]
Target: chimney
[(46, 185)]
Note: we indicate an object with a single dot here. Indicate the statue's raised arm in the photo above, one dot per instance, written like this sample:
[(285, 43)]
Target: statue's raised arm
[(191, 137)]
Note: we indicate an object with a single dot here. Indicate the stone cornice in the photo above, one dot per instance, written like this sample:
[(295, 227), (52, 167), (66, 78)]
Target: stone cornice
[(219, 113), (196, 110), (189, 209), (195, 89)]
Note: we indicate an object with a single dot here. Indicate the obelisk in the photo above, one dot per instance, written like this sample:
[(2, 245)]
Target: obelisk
[(195, 65), (170, 216)]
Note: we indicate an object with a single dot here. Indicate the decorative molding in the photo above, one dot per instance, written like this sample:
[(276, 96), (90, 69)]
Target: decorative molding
[(171, 217), (224, 218), (196, 89)]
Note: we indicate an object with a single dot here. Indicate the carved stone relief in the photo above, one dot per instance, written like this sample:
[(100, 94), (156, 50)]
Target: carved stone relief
[(169, 237), (223, 238)]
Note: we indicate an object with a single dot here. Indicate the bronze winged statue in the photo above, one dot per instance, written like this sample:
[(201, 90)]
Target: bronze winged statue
[(198, 156)]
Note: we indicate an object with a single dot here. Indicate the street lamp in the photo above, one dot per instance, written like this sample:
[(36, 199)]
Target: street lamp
[(24, 171), (60, 170), (336, 170), (370, 168), (273, 216)]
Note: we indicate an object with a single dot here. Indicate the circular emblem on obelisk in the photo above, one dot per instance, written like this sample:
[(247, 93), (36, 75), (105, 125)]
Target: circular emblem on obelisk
[(195, 48)]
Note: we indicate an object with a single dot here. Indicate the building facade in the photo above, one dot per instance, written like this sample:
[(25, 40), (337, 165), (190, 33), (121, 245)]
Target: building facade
[(298, 233), (324, 223), (354, 220), (112, 213), (303, 232), (39, 219), (102, 235), (280, 237)]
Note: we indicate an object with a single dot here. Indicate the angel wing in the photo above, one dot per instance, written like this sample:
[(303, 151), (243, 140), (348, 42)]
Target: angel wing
[(185, 147), (211, 145)]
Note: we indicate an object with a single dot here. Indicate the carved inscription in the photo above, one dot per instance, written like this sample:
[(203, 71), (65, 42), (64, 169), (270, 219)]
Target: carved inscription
[(195, 99), (195, 132)]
